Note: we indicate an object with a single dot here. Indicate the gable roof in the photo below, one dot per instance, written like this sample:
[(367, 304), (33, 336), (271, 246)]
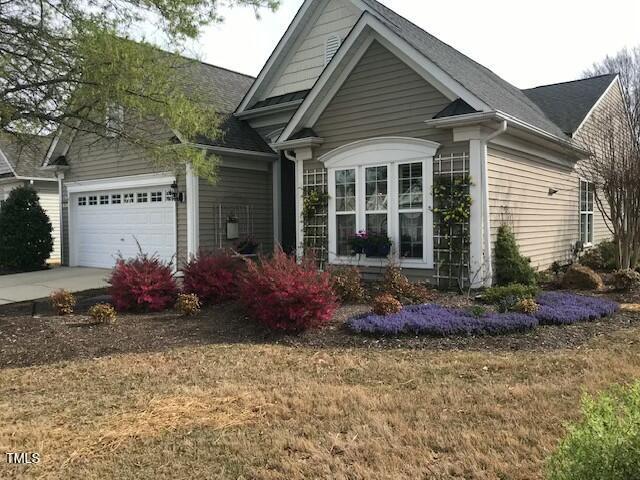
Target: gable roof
[(479, 80), (569, 103), (219, 87), (18, 160)]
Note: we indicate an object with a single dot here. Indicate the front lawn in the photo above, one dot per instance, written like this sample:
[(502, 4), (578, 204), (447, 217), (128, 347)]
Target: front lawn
[(216, 396)]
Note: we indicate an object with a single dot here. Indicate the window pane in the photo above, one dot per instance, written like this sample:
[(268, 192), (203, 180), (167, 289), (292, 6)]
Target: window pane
[(377, 223), (410, 185), (345, 190), (583, 196), (583, 228), (411, 236), (590, 228), (376, 188), (345, 229)]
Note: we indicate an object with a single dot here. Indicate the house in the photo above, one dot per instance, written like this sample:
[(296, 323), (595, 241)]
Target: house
[(375, 109), (360, 104), (19, 166)]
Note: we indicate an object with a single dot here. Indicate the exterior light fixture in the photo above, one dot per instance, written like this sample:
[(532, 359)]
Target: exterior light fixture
[(174, 195)]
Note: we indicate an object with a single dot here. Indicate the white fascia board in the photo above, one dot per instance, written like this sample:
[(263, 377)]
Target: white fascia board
[(615, 81), (281, 51), (269, 110), (6, 160), (52, 147), (235, 152), (134, 181), (298, 143), (367, 30)]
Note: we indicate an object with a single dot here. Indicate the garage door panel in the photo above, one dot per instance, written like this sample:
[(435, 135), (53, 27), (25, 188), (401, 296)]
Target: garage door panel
[(108, 224)]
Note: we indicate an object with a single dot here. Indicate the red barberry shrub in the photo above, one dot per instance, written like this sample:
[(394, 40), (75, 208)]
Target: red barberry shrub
[(212, 277), (143, 283), (285, 295)]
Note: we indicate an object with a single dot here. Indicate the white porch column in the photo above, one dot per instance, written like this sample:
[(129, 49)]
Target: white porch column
[(193, 212), (302, 155), (477, 262)]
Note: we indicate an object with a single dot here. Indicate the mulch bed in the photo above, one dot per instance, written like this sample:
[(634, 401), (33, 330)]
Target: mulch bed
[(27, 340)]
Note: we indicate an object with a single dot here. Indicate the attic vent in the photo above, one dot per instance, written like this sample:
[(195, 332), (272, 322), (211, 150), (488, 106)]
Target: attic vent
[(333, 44)]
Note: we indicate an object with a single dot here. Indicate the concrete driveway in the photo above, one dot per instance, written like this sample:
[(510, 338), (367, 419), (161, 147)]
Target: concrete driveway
[(21, 287)]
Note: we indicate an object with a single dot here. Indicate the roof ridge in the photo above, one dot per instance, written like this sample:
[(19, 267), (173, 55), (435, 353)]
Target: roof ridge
[(219, 67), (572, 81)]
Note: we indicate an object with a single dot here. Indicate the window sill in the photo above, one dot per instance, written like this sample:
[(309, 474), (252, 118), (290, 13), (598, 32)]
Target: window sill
[(364, 261)]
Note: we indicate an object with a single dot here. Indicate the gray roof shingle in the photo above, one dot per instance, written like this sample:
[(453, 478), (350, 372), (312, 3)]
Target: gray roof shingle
[(568, 103), (237, 134), (224, 90), (24, 158), (479, 80)]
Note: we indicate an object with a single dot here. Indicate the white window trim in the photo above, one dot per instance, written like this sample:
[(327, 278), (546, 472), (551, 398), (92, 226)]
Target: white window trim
[(586, 212), (121, 183), (390, 152)]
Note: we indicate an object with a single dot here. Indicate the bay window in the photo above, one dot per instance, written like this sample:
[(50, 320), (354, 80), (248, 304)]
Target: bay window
[(586, 212), (382, 186)]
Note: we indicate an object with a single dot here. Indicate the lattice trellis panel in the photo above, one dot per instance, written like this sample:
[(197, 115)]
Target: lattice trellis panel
[(316, 239), (451, 243)]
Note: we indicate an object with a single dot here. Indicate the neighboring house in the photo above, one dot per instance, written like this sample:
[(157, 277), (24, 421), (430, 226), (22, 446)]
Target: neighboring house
[(19, 166), (359, 103), (373, 108)]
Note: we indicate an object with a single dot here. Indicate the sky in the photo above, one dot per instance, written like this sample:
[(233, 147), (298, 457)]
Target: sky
[(527, 43)]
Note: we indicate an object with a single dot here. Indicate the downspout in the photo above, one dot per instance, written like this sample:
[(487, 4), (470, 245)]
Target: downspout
[(488, 254), (60, 177)]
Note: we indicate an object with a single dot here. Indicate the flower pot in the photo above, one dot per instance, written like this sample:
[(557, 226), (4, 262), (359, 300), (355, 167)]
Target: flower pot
[(377, 251), (358, 250)]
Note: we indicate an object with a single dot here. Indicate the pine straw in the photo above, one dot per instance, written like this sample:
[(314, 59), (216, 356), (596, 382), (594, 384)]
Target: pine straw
[(163, 415)]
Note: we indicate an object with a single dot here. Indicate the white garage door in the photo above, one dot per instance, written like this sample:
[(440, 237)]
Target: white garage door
[(105, 224)]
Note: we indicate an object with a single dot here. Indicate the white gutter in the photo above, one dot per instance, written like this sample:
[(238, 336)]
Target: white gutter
[(474, 118), (488, 254), (233, 151)]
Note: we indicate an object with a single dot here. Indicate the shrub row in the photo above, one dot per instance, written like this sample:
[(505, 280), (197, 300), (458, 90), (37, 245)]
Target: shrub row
[(278, 292)]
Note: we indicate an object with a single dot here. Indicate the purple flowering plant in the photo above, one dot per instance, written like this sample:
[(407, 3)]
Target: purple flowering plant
[(563, 308), (558, 308)]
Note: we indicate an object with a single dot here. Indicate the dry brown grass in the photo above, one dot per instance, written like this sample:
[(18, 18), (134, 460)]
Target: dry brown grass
[(275, 412)]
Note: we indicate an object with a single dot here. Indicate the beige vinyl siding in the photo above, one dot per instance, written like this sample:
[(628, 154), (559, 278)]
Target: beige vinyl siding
[(235, 190), (307, 63), (50, 201), (613, 99), (383, 97), (546, 227)]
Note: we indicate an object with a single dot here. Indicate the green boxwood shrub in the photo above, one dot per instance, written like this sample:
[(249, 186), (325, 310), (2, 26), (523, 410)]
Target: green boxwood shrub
[(25, 232), (516, 291), (510, 266), (605, 444)]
